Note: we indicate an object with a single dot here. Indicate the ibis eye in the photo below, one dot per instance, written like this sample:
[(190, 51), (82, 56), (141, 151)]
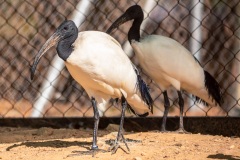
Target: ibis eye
[(65, 28)]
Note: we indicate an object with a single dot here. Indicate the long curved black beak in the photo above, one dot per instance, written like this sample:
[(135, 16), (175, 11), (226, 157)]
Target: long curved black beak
[(54, 39), (122, 19)]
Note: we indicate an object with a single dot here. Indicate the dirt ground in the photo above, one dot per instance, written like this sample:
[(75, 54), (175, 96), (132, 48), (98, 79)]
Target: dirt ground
[(56, 144)]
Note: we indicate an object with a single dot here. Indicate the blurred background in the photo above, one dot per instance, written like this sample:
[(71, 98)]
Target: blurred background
[(210, 29)]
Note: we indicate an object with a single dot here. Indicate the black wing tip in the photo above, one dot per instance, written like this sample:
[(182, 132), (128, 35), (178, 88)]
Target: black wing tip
[(199, 100), (139, 115), (213, 88), (144, 91), (143, 115)]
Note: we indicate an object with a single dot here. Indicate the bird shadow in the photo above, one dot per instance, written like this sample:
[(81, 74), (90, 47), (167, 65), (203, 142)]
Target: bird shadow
[(64, 144), (52, 143), (224, 156)]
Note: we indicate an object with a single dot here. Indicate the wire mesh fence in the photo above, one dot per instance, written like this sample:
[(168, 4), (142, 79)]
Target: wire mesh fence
[(210, 29)]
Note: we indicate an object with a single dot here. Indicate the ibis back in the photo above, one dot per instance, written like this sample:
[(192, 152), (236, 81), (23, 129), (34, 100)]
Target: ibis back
[(168, 63)]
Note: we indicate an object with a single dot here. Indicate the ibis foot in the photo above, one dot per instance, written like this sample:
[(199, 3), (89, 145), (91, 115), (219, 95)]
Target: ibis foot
[(182, 131), (165, 131), (114, 147)]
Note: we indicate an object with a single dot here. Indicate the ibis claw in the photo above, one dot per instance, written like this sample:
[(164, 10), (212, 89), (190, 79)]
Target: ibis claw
[(114, 147), (182, 131)]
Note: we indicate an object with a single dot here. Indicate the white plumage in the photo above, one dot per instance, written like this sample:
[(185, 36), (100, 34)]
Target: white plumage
[(97, 62), (168, 63)]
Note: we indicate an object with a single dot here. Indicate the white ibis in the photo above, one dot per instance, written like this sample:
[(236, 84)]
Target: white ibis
[(168, 63), (97, 62)]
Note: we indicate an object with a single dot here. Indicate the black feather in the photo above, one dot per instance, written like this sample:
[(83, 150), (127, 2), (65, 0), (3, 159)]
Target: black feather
[(213, 88), (199, 100), (144, 91), (129, 108)]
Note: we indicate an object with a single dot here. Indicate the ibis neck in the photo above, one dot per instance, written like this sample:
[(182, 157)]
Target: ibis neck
[(65, 47), (134, 32)]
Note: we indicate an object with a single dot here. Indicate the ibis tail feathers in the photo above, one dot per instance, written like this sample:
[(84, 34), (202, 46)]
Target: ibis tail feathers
[(139, 115), (199, 100), (213, 89), (130, 109), (144, 91)]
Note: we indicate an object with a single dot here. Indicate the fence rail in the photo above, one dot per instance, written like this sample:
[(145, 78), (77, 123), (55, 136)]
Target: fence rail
[(210, 29)]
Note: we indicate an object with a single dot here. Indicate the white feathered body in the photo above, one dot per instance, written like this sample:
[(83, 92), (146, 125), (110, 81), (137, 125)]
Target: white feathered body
[(168, 63), (100, 66)]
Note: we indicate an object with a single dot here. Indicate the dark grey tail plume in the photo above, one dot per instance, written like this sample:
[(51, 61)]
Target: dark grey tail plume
[(144, 90), (129, 108), (213, 88)]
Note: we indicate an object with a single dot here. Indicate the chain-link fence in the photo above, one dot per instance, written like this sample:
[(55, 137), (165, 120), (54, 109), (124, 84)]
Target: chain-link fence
[(210, 29)]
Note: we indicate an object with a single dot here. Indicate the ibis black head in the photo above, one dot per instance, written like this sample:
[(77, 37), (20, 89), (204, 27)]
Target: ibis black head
[(134, 12), (64, 36)]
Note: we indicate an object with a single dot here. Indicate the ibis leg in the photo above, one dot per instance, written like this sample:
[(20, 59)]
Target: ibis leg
[(94, 148), (120, 136), (181, 105), (96, 121), (166, 106), (95, 129)]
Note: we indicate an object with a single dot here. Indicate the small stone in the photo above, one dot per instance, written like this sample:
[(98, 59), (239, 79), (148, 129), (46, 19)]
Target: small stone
[(143, 154), (232, 146), (178, 144), (137, 158)]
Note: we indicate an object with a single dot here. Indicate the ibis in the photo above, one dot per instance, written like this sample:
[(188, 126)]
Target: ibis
[(168, 63), (97, 62)]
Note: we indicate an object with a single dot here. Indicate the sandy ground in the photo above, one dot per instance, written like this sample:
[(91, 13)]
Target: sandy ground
[(56, 144)]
